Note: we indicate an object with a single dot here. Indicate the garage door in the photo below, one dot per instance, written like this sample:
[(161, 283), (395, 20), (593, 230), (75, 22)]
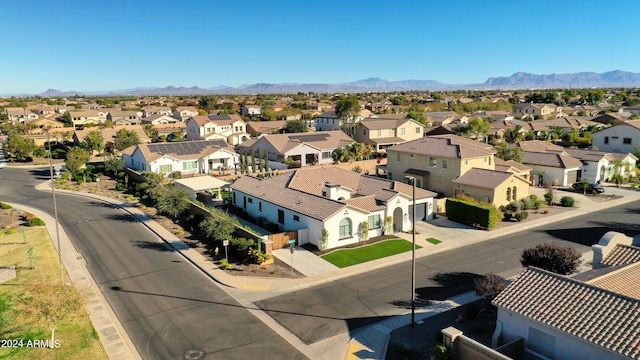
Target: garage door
[(572, 176), (421, 212)]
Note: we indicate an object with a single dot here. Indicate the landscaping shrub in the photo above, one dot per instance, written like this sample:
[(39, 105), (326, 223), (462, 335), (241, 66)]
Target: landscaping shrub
[(120, 187), (28, 216), (240, 246), (548, 197), (523, 215), (257, 256), (527, 203), (9, 231), (536, 203), (483, 215), (514, 206), (36, 222), (5, 206), (567, 201)]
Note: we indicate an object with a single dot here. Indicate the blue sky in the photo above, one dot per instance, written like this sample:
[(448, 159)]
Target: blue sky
[(100, 45)]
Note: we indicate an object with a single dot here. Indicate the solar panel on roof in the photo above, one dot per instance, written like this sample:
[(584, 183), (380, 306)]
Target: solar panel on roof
[(309, 137), (186, 147)]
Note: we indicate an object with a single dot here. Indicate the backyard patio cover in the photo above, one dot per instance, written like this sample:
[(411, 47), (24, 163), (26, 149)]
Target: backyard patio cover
[(201, 183)]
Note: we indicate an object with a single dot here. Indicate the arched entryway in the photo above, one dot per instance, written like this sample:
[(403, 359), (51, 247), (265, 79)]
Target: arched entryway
[(397, 219)]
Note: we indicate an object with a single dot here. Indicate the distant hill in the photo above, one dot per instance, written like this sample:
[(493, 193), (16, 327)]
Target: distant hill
[(519, 80)]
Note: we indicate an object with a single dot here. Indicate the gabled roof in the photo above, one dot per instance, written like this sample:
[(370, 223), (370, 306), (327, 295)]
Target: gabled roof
[(325, 140), (261, 127), (110, 133), (483, 178), (180, 150), (510, 164), (589, 155), (539, 146), (550, 159), (301, 191), (385, 123), (622, 255), (203, 120), (447, 145), (596, 315)]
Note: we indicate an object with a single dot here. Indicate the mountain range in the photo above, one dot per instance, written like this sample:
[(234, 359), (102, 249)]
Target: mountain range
[(519, 80)]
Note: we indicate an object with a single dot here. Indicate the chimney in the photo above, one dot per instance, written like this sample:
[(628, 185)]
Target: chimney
[(330, 190)]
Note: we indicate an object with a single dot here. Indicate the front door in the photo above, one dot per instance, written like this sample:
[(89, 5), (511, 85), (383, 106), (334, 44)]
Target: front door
[(397, 219)]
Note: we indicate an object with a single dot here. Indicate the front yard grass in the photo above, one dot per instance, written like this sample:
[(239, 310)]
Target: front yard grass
[(78, 339), (433, 241), (348, 257)]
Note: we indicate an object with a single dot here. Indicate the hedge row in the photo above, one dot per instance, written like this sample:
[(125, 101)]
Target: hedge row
[(476, 214)]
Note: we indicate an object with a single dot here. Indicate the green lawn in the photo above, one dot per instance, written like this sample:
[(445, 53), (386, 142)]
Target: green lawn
[(433, 241), (348, 257)]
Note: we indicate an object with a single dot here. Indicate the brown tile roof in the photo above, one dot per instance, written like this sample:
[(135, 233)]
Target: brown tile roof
[(366, 203), (262, 127), (449, 146), (324, 140), (539, 146), (633, 123), (387, 140), (623, 281), (109, 133), (483, 178), (511, 163), (275, 191), (589, 155), (622, 255), (596, 315), (382, 123), (550, 160)]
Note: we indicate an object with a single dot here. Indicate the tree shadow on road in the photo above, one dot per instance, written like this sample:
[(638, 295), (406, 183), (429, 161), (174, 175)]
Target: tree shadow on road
[(152, 245), (590, 236)]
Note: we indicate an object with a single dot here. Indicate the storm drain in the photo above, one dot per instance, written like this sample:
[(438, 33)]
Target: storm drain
[(193, 355)]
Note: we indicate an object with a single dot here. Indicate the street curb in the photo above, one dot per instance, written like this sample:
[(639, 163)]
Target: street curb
[(138, 217)]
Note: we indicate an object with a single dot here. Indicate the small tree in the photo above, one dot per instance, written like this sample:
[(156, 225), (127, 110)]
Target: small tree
[(125, 139), (563, 260), (388, 223), (49, 305), (324, 239), (93, 141), (113, 164), (364, 229), (489, 286), (217, 227), (266, 160), (76, 159), (171, 200)]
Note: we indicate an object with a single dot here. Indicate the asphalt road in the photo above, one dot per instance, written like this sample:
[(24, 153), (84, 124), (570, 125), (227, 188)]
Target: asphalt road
[(345, 305), (166, 306)]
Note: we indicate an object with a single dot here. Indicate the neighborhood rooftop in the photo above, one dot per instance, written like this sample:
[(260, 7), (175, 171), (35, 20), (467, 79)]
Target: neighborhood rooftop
[(586, 311), (450, 146)]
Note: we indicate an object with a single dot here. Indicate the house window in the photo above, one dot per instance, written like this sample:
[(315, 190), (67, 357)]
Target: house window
[(296, 218), (189, 165), (606, 139), (364, 131), (515, 193), (234, 198), (378, 132), (398, 156), (281, 216), (260, 206), (484, 160), (250, 200), (466, 162), (433, 162), (326, 154), (374, 222), (419, 183), (402, 131), (626, 141), (508, 194), (445, 163), (165, 168), (417, 130), (345, 228)]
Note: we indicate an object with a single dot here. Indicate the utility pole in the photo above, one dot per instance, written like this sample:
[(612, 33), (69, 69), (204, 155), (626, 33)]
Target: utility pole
[(55, 210)]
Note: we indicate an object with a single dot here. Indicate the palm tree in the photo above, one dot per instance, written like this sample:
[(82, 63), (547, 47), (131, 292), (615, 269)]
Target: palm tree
[(513, 134)]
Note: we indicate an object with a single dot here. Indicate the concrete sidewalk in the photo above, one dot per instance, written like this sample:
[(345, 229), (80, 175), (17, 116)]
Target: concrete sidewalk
[(369, 342)]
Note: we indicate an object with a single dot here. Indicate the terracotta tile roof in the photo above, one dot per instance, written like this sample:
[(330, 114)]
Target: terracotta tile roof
[(588, 155), (261, 127), (483, 178), (511, 163), (550, 160), (449, 146), (275, 191), (539, 146), (366, 203), (325, 140), (623, 281), (596, 315), (633, 123), (622, 255)]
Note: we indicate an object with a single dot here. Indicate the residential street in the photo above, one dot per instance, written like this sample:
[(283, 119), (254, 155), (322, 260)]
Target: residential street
[(166, 305)]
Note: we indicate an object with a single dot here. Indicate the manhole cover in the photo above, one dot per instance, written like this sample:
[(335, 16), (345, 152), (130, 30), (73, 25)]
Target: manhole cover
[(194, 355)]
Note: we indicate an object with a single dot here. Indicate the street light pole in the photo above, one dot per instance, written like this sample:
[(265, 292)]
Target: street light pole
[(55, 210), (412, 181)]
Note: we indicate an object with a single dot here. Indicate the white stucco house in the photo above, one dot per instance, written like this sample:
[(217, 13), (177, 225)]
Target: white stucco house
[(250, 110), (328, 120), (183, 113), (624, 137), (230, 128), (334, 199), (188, 157), (158, 119)]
